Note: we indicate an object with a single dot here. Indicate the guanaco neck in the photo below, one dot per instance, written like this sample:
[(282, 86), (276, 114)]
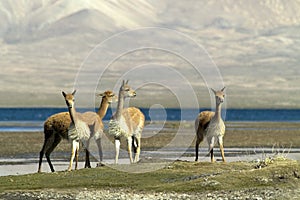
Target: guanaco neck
[(120, 105), (72, 112), (218, 111), (103, 108)]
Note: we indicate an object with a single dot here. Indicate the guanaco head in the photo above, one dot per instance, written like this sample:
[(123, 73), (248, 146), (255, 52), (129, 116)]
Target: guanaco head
[(220, 95), (109, 96), (126, 90), (69, 98)]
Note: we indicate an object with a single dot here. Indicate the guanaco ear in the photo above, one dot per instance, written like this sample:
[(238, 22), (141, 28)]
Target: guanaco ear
[(123, 82), (63, 93), (73, 93), (223, 89), (127, 81), (213, 90), (100, 95)]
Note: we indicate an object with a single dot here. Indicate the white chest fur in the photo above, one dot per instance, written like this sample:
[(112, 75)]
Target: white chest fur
[(216, 128), (118, 129)]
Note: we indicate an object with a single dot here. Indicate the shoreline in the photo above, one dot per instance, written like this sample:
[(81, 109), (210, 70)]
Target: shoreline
[(37, 126)]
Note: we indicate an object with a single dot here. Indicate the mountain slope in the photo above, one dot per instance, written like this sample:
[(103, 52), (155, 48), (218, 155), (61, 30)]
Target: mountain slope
[(255, 45)]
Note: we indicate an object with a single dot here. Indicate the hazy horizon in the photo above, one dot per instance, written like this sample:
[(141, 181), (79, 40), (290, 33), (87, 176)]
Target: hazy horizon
[(251, 47)]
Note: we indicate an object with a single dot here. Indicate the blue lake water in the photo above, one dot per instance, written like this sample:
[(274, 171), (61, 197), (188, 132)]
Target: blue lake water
[(31, 119)]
